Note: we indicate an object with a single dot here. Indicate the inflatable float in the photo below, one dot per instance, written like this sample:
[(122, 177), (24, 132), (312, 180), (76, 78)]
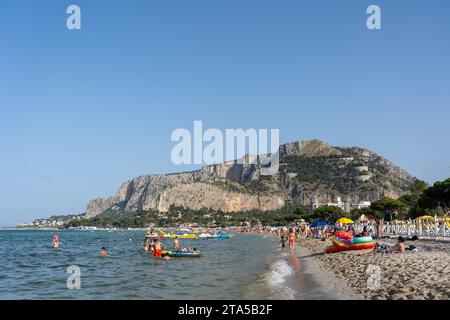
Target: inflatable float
[(162, 235), (180, 253), (362, 239), (344, 241), (343, 234), (218, 234)]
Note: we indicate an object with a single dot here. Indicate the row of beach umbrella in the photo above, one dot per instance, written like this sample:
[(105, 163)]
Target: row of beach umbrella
[(318, 224)]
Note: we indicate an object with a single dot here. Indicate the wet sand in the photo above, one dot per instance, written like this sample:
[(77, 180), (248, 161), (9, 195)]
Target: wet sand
[(325, 280), (298, 277)]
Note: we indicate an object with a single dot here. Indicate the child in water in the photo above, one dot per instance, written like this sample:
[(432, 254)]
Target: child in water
[(55, 241), (283, 243), (104, 253)]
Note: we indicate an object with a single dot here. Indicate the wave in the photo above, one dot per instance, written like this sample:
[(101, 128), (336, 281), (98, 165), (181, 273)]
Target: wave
[(279, 271), (276, 279)]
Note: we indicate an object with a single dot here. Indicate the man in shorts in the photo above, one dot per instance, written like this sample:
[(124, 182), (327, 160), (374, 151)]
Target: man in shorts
[(157, 253)]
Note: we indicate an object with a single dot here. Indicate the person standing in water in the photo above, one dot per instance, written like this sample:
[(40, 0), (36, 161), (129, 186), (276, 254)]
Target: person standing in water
[(283, 243), (176, 243), (157, 252), (104, 253), (145, 244), (152, 245), (291, 240), (55, 241)]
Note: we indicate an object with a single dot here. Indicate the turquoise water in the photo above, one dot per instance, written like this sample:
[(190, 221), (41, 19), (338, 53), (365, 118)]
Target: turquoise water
[(228, 269)]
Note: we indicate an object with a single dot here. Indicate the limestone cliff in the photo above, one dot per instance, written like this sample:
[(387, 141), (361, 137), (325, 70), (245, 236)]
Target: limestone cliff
[(309, 170)]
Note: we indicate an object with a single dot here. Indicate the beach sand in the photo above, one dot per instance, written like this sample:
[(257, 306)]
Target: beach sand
[(409, 275)]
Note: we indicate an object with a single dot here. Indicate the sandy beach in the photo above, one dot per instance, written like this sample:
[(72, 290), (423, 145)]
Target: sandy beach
[(411, 275)]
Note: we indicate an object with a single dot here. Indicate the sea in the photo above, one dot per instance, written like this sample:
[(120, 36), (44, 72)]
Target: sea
[(246, 266)]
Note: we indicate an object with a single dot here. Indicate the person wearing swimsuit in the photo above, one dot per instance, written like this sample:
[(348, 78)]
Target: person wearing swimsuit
[(157, 252), (55, 241), (283, 243), (176, 243), (291, 240)]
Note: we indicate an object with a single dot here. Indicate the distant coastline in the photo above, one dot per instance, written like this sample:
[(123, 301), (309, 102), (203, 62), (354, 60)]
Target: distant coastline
[(28, 229)]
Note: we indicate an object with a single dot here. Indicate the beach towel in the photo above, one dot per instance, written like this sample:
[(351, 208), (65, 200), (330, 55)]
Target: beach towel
[(383, 249)]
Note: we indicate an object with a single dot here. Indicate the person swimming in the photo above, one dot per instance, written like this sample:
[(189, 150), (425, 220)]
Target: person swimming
[(55, 241), (104, 253)]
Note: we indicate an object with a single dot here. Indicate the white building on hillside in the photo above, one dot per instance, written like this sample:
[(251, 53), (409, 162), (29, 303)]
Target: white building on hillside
[(345, 205)]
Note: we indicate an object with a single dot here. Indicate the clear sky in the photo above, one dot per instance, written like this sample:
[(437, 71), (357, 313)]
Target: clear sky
[(82, 111)]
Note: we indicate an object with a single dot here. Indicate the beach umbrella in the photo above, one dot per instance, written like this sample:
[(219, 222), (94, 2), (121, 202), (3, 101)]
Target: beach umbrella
[(365, 218), (344, 221), (316, 224), (425, 217)]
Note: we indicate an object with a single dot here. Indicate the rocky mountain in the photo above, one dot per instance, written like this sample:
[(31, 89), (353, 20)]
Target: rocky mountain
[(309, 171)]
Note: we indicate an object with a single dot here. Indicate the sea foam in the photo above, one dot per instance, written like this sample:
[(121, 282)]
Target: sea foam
[(276, 280)]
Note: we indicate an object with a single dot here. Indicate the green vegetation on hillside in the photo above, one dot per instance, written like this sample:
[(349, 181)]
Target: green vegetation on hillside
[(326, 170), (203, 217)]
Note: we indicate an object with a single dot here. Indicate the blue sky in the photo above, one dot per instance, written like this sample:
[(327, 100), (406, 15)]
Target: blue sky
[(82, 111)]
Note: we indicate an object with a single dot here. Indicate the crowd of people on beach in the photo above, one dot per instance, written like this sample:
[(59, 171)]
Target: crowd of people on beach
[(297, 232)]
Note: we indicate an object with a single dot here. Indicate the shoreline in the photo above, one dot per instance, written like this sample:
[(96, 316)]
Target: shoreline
[(327, 281), (305, 278), (345, 275)]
